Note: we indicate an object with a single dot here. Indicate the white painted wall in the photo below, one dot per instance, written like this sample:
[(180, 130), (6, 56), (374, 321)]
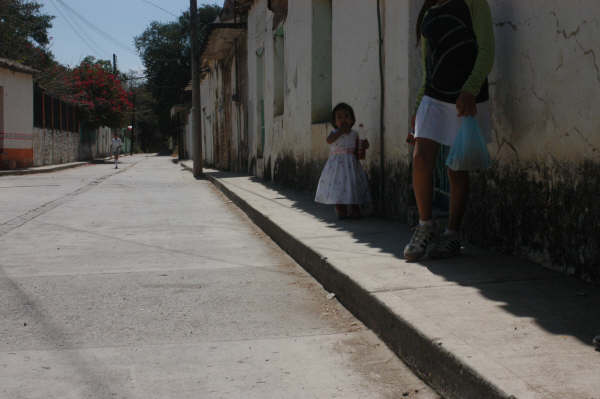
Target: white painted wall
[(18, 109), (290, 133), (356, 77), (55, 146), (209, 91), (543, 92), (546, 80)]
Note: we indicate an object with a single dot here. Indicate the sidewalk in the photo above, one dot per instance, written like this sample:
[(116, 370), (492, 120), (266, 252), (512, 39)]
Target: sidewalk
[(479, 326), (52, 168)]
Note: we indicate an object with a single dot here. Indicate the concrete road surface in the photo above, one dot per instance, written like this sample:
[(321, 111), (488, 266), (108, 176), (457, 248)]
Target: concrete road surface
[(145, 283)]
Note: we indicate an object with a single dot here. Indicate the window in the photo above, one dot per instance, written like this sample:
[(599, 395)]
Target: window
[(260, 100), (321, 60), (279, 61)]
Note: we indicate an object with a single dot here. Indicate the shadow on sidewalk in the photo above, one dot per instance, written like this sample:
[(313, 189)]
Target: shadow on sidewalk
[(559, 304)]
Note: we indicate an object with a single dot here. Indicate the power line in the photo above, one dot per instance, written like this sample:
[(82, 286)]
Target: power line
[(80, 32), (160, 8), (86, 40), (98, 30)]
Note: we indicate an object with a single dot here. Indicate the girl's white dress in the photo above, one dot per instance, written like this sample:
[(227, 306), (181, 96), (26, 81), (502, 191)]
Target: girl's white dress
[(343, 180)]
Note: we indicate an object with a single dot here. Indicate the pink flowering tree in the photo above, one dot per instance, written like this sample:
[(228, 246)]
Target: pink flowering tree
[(101, 93)]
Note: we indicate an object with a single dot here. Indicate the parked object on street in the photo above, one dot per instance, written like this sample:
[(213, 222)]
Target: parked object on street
[(596, 342)]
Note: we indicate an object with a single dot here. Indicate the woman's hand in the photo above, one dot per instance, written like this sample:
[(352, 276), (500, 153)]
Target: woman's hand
[(465, 105)]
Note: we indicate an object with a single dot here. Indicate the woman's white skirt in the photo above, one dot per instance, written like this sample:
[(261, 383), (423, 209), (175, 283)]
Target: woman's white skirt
[(343, 181), (437, 120)]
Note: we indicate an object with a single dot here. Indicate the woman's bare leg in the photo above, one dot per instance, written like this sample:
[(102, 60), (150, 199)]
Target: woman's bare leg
[(424, 157), (459, 193)]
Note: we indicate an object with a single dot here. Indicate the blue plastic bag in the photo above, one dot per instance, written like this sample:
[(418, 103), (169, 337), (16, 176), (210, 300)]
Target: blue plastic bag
[(469, 150)]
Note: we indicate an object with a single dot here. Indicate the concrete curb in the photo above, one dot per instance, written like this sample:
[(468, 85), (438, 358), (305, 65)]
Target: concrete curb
[(438, 367), (54, 168), (44, 170)]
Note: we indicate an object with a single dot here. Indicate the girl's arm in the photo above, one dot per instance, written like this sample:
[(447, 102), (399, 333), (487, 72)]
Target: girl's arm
[(333, 136), (484, 34)]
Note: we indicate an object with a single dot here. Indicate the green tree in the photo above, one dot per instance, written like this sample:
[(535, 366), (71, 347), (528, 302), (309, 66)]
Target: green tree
[(24, 33), (166, 53)]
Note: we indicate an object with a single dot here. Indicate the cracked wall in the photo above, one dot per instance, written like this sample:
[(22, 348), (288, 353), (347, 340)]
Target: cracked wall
[(538, 200), (546, 81)]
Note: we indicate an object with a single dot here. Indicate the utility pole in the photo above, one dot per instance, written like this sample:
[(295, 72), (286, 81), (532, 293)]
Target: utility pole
[(133, 123), (196, 103), (114, 64)]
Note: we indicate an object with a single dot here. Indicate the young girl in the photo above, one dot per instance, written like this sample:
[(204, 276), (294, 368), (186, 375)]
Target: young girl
[(343, 181), (457, 41)]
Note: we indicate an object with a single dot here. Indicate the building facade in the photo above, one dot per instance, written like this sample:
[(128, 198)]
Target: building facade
[(540, 197)]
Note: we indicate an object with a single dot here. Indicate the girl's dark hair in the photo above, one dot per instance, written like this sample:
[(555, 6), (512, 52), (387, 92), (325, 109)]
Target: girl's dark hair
[(426, 6), (342, 107)]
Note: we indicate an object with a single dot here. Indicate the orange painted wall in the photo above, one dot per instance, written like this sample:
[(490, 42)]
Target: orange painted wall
[(23, 157)]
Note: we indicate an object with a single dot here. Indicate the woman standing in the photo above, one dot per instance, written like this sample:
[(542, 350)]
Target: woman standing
[(457, 42)]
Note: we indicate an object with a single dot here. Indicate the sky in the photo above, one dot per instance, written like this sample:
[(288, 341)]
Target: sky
[(107, 27)]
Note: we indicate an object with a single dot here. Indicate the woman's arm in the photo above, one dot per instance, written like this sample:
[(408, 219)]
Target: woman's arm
[(421, 92), (484, 34)]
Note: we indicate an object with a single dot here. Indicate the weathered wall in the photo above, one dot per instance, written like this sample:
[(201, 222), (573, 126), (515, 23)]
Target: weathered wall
[(94, 143), (238, 112), (288, 135), (17, 88), (54, 146), (209, 91), (539, 198), (546, 80)]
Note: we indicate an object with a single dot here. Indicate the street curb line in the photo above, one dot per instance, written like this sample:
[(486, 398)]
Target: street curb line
[(438, 367), (50, 170), (35, 171)]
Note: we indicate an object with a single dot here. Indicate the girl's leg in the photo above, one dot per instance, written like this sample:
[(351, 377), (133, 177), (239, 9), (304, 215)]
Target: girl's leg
[(459, 192), (424, 157), (341, 210)]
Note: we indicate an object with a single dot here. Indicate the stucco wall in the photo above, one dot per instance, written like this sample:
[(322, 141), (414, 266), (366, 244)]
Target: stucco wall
[(544, 89), (18, 117), (94, 143), (290, 134), (54, 146), (546, 80), (356, 77), (210, 99)]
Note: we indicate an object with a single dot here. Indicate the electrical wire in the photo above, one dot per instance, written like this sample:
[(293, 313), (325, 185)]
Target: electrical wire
[(94, 27), (87, 41), (160, 8)]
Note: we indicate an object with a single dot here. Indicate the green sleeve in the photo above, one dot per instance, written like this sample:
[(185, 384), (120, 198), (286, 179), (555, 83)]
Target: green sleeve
[(484, 33), (421, 92)]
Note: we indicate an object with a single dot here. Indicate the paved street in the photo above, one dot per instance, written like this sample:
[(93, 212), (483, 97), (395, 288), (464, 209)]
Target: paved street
[(143, 282)]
